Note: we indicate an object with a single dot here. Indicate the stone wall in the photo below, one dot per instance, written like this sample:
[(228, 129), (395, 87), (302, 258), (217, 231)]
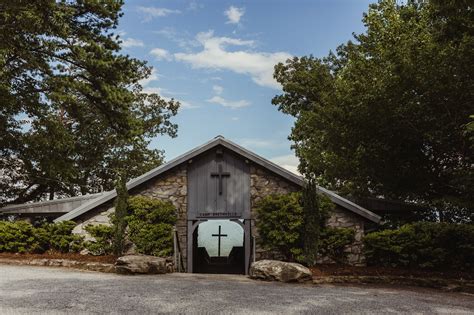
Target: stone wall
[(264, 183), (172, 186), (99, 216), (342, 218)]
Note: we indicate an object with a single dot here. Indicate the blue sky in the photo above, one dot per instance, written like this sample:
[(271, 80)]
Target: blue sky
[(217, 57)]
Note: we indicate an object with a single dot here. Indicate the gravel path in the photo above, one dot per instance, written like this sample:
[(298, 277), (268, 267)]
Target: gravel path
[(26, 290)]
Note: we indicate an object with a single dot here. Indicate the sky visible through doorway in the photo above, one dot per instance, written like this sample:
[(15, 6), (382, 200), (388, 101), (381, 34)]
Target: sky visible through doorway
[(234, 232)]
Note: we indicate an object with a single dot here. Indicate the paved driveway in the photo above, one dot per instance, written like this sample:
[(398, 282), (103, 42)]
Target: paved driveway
[(26, 289)]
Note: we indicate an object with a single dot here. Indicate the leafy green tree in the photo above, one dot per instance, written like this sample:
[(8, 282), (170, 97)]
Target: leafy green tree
[(73, 110), (386, 114)]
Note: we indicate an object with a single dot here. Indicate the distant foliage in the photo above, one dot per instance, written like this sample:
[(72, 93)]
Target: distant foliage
[(150, 222), (334, 242), (103, 239), (423, 245), (22, 237)]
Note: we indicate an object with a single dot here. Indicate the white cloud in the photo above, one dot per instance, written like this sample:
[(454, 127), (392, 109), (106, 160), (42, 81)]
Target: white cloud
[(226, 103), (289, 162), (217, 89), (234, 14), (152, 12), (132, 42), (160, 54), (258, 65), (234, 118)]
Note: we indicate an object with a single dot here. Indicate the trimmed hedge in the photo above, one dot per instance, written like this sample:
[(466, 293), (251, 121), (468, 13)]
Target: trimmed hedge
[(22, 237), (423, 245)]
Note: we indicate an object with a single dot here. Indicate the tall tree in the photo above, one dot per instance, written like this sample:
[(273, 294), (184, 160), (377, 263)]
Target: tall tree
[(73, 110), (386, 114)]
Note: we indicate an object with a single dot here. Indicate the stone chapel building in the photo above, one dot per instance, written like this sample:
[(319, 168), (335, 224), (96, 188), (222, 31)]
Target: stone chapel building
[(217, 180)]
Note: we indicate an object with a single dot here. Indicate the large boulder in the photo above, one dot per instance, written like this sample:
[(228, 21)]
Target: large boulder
[(274, 270), (132, 264)]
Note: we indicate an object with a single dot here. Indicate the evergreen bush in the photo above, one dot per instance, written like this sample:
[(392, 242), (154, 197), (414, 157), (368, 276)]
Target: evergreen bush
[(150, 225), (282, 228), (423, 245), (333, 243), (61, 238), (279, 224), (23, 237), (103, 235)]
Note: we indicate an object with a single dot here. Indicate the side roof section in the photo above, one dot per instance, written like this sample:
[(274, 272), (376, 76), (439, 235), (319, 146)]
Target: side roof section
[(219, 140), (62, 205)]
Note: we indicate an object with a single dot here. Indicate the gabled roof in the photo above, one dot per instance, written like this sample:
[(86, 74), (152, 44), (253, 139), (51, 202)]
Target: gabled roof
[(63, 205), (218, 141)]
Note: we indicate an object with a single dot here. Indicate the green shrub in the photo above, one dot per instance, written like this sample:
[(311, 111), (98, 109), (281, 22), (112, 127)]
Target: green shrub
[(423, 245), (22, 237), (103, 236), (279, 224), (150, 222), (60, 237), (282, 228), (334, 242)]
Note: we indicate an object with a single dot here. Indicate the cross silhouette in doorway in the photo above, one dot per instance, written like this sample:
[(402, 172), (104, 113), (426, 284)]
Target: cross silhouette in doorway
[(219, 235)]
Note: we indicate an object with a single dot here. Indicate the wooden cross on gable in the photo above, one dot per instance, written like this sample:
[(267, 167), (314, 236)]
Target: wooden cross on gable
[(220, 175)]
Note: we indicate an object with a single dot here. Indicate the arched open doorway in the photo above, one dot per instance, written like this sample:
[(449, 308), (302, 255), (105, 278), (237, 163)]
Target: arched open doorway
[(219, 247)]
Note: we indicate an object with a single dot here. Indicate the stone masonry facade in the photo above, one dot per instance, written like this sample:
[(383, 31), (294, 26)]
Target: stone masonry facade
[(264, 183), (172, 186)]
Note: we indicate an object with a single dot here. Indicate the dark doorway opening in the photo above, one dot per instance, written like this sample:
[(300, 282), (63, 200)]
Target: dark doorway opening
[(219, 247)]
